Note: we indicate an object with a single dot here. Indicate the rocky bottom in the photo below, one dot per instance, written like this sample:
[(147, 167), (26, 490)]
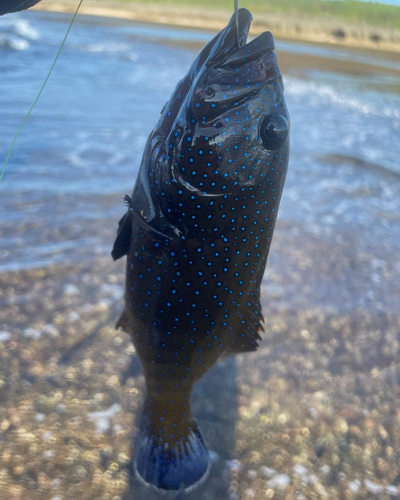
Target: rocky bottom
[(314, 414)]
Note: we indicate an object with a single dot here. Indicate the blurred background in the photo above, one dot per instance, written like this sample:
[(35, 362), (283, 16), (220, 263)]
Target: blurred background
[(314, 413)]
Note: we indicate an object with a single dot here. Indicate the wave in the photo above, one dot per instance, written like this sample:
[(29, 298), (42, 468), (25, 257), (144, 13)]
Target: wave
[(108, 47), (16, 34), (90, 156), (320, 93), (25, 29), (13, 42)]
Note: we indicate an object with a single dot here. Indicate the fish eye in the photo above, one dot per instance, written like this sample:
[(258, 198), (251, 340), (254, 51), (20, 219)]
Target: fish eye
[(274, 130)]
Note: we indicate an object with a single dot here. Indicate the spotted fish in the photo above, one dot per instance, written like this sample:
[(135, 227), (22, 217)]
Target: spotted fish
[(197, 234), (8, 6)]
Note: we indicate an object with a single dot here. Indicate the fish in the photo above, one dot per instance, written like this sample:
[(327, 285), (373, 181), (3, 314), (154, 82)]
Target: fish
[(9, 6), (197, 233)]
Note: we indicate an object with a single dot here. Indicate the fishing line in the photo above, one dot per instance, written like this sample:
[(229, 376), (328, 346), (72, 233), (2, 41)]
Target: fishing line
[(237, 21), (40, 92)]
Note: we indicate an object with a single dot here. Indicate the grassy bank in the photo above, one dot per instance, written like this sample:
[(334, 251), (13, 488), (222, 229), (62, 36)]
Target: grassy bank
[(351, 11), (348, 23)]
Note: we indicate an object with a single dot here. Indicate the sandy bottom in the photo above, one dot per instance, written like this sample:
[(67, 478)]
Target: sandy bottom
[(314, 414)]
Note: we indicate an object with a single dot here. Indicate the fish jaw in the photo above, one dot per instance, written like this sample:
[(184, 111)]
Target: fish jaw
[(229, 86), (238, 76), (218, 49), (224, 54), (227, 41)]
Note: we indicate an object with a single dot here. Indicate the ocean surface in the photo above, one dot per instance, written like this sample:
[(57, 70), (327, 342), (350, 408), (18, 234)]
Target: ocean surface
[(79, 153)]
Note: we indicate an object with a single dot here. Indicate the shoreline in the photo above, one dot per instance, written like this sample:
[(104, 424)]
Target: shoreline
[(334, 32)]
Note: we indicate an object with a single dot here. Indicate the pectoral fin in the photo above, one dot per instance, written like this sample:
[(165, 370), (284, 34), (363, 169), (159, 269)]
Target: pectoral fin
[(124, 237)]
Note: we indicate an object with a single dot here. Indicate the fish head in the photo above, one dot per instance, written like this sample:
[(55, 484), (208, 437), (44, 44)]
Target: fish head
[(238, 102), (225, 128)]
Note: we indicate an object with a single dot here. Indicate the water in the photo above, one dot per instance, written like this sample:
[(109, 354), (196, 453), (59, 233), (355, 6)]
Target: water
[(80, 151)]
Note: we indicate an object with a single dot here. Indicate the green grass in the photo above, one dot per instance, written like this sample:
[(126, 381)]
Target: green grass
[(352, 11)]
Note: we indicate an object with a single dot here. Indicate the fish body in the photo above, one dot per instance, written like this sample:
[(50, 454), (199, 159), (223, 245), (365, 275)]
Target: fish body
[(9, 6), (197, 235)]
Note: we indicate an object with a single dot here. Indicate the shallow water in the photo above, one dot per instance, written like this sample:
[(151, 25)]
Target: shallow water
[(83, 144), (314, 411)]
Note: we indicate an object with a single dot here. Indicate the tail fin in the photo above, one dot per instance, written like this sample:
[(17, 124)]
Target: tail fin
[(174, 465)]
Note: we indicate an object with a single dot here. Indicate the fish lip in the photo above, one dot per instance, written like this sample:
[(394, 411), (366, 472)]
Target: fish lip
[(245, 20), (219, 86), (232, 48), (255, 49), (228, 40)]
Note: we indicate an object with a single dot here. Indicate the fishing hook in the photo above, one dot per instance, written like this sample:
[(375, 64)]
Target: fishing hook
[(237, 21)]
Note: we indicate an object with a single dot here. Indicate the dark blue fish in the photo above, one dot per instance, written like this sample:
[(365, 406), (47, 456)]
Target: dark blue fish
[(8, 6), (197, 235)]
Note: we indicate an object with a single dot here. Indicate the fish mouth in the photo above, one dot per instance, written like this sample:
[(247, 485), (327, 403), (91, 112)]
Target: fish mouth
[(236, 70), (248, 50), (241, 30), (232, 48), (251, 51)]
